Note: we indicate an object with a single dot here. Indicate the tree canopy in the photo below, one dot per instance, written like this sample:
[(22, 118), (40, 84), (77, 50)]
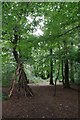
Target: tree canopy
[(41, 28)]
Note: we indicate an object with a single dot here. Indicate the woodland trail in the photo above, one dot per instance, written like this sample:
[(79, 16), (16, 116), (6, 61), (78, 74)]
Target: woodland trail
[(44, 83), (43, 104)]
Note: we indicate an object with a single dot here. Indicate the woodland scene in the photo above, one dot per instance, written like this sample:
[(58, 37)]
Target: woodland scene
[(40, 60)]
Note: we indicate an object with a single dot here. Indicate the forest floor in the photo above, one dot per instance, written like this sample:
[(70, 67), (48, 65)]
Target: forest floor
[(43, 104)]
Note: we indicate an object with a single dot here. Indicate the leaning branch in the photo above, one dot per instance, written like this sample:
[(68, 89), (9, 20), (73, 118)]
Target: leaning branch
[(68, 31), (60, 35)]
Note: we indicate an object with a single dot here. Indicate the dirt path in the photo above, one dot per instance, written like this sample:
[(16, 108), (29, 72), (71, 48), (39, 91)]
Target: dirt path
[(43, 104), (44, 83)]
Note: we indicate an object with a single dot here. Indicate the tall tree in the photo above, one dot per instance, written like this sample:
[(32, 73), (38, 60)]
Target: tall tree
[(51, 67), (71, 67)]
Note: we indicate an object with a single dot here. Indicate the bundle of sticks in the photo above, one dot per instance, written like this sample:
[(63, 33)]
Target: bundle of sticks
[(21, 80)]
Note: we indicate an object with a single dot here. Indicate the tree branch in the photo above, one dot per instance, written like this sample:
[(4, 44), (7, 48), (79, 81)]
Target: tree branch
[(68, 31), (57, 36)]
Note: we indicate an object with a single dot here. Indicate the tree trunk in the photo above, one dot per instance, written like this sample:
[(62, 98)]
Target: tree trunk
[(71, 71), (71, 66), (51, 68), (15, 53), (67, 85), (56, 79), (79, 62), (63, 72), (66, 66), (22, 81)]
